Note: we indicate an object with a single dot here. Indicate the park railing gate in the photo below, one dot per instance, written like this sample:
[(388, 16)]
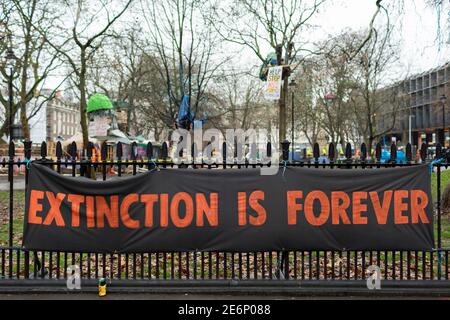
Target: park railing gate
[(18, 265)]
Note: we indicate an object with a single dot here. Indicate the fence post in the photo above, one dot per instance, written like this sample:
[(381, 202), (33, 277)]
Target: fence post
[(284, 254), (11, 154), (27, 147), (438, 182)]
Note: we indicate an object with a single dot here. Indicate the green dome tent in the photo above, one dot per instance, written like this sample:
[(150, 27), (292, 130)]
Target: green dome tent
[(98, 102)]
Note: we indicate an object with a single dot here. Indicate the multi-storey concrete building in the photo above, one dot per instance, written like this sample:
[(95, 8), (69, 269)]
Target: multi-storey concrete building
[(427, 115)]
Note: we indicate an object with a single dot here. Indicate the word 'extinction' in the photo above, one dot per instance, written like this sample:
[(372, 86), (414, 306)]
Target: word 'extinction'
[(183, 209)]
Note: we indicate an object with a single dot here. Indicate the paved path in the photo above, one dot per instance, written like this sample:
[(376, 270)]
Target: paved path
[(181, 296), (19, 183)]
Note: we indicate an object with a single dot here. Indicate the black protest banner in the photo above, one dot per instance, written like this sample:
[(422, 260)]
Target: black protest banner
[(231, 210)]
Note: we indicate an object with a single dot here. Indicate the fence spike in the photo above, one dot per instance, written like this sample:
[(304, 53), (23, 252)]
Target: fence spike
[(119, 151), (73, 150), (408, 152), (12, 149), (438, 151), (378, 152), (316, 151), (331, 151), (423, 152), (149, 151), (393, 152), (59, 152), (90, 146), (285, 150), (363, 152), (133, 153), (104, 151), (348, 151), (164, 151), (224, 152), (44, 150)]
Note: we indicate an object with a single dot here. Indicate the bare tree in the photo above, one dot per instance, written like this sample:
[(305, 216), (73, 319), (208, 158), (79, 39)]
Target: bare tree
[(36, 59), (185, 45), (274, 24), (372, 96), (82, 31)]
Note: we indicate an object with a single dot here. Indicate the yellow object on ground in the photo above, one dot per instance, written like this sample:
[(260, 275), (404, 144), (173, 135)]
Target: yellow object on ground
[(102, 287)]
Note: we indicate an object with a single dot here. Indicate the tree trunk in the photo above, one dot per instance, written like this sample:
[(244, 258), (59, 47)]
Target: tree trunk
[(24, 121), (83, 104)]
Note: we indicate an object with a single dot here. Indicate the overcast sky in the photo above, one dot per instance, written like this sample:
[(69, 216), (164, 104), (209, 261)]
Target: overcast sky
[(417, 31)]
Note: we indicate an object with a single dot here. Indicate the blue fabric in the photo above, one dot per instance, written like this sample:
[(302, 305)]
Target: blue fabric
[(185, 115)]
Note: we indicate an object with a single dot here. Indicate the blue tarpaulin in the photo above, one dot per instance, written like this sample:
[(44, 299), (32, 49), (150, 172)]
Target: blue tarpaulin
[(185, 115)]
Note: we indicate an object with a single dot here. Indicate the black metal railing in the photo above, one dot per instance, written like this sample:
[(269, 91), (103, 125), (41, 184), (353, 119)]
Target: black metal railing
[(18, 263)]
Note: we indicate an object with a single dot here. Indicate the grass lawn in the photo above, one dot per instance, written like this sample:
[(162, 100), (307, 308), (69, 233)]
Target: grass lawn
[(445, 180), (19, 209)]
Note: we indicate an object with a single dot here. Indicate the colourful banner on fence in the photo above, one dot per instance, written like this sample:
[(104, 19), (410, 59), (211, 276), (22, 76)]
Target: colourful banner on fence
[(231, 210)]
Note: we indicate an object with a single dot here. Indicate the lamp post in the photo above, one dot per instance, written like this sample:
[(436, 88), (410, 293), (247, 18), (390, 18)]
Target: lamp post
[(10, 63), (292, 84), (443, 102)]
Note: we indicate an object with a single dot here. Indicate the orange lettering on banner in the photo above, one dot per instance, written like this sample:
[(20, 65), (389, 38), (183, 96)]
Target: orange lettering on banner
[(90, 213), (124, 207), (400, 206), (309, 208), (35, 207), (164, 209), (340, 202), (359, 207), (54, 212), (255, 196), (381, 210), (419, 201), (292, 206), (242, 208), (174, 207), (110, 212), (149, 200), (76, 201), (210, 211)]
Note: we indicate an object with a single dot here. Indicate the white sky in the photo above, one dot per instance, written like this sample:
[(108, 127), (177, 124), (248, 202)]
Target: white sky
[(417, 26)]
